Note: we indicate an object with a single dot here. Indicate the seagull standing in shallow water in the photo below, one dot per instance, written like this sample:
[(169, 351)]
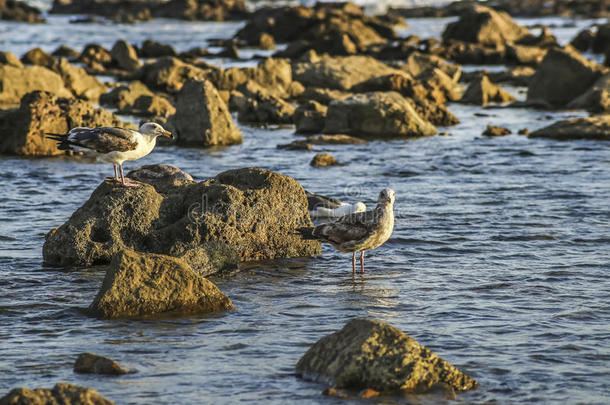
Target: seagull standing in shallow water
[(113, 144), (359, 231)]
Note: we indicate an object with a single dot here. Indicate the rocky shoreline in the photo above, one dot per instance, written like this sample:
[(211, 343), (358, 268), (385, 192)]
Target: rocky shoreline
[(343, 78)]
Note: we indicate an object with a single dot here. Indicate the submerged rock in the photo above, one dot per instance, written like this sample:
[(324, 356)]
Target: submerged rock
[(89, 363), (595, 127), (62, 393), (371, 354), (39, 112), (378, 115), (562, 76), (139, 284), (202, 117), (252, 212), (492, 130), (309, 117), (323, 160), (482, 92)]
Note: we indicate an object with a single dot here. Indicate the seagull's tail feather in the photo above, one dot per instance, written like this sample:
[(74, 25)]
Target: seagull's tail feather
[(62, 140), (306, 233)]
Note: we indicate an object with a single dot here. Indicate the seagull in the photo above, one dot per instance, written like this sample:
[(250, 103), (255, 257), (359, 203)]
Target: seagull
[(325, 207), (113, 144), (359, 231)]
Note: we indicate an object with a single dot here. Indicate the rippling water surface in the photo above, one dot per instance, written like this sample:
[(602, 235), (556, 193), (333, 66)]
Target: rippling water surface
[(499, 261)]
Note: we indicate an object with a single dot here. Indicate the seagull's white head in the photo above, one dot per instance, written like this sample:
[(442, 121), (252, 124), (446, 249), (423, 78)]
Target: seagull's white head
[(153, 129), (386, 196)]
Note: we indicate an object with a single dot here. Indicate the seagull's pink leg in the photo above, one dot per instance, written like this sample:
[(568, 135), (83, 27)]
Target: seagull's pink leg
[(353, 264), (125, 180), (116, 172), (362, 262)]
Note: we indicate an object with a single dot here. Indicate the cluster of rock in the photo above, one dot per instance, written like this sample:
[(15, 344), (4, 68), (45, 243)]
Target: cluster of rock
[(62, 393), (16, 10), (131, 11), (521, 8)]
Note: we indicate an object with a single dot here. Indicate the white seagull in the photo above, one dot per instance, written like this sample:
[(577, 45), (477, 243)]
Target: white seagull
[(359, 231), (113, 144)]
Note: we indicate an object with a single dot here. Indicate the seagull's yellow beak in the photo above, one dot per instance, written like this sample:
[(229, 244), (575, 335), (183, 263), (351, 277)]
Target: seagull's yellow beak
[(167, 134)]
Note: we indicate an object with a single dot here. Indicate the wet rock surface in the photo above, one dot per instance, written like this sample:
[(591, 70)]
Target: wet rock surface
[(39, 112), (15, 10), (323, 160), (384, 115), (595, 127), (566, 66), (89, 363), (62, 393), (140, 284), (202, 117), (483, 92), (371, 354), (131, 11), (175, 216), (493, 130)]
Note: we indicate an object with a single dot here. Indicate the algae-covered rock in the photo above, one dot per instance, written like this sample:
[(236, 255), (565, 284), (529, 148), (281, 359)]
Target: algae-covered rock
[(371, 354), (138, 284)]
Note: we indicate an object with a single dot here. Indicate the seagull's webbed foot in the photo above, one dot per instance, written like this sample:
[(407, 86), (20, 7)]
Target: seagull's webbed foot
[(127, 182)]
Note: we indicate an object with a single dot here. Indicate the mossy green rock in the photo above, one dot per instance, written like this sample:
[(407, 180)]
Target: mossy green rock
[(139, 284), (371, 354)]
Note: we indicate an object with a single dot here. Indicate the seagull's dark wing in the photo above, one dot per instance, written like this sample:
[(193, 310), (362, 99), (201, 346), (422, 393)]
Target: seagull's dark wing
[(103, 139), (350, 227)]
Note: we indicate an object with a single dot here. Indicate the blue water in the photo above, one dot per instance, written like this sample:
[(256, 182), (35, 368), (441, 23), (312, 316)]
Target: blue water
[(499, 261)]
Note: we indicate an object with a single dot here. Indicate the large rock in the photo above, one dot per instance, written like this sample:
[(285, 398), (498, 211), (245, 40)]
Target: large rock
[(138, 284), (37, 57), (143, 10), (562, 76), (125, 55), (124, 96), (79, 81), (252, 212), (8, 58), (309, 117), (62, 393), (272, 74), (483, 92), (485, 26), (341, 73), (377, 115), (321, 28), (255, 104), (417, 63), (371, 354), (202, 117), (169, 74), (595, 127), (16, 82), (596, 98), (15, 10), (23, 129)]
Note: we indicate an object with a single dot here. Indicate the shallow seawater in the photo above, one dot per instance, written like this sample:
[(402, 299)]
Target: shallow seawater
[(499, 262)]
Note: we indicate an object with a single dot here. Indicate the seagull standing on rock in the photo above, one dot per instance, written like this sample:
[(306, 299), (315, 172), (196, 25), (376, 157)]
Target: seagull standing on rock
[(359, 231), (113, 144)]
